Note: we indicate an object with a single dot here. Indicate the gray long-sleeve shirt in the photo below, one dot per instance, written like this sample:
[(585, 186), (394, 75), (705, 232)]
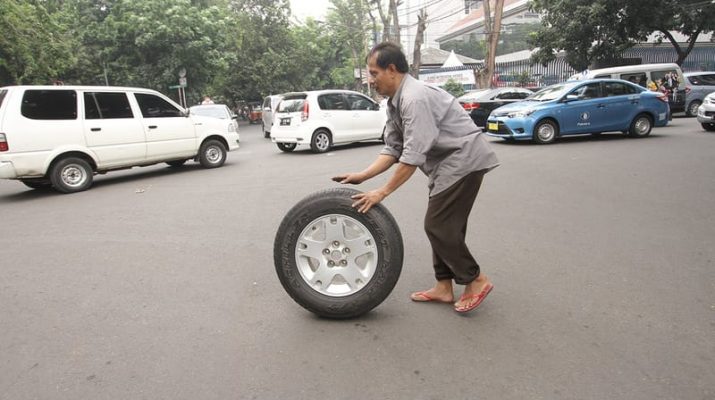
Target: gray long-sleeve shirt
[(428, 128)]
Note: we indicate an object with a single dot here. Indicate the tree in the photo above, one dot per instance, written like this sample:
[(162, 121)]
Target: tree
[(27, 26), (348, 20), (419, 38), (601, 30), (493, 28)]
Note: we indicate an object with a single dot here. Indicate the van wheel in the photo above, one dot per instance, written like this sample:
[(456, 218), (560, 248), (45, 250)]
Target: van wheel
[(287, 147), (641, 126), (176, 163), (335, 261), (321, 141), (693, 108), (212, 154), (545, 132), (71, 174), (708, 126), (37, 183)]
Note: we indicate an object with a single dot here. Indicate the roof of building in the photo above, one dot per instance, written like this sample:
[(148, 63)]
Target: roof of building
[(431, 56), (475, 19)]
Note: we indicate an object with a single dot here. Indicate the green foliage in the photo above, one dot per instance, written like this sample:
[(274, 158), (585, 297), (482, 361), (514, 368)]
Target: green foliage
[(453, 87), (33, 48), (523, 78), (600, 30)]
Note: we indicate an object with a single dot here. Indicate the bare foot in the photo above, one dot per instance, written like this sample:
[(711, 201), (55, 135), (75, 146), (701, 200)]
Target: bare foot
[(474, 293), (442, 292)]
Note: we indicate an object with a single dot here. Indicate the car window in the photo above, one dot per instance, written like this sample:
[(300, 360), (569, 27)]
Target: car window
[(695, 80), (98, 105), (153, 106), (332, 101), (552, 92), (505, 96), (522, 95), (588, 91), (639, 78), (49, 104), (618, 89), (291, 104), (656, 76), (708, 79), (358, 102)]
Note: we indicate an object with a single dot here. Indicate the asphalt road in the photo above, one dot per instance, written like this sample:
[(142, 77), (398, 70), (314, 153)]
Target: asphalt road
[(159, 283)]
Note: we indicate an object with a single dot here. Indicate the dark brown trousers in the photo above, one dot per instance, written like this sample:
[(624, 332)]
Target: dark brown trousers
[(446, 227)]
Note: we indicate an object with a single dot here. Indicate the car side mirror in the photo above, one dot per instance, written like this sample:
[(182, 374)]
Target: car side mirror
[(571, 97), (186, 112)]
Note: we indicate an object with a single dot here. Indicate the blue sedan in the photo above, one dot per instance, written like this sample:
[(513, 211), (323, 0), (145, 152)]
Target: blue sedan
[(581, 107)]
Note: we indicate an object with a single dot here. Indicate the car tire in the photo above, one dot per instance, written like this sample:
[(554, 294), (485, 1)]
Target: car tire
[(71, 175), (287, 147), (37, 183), (321, 141), (641, 126), (692, 109), (176, 163), (212, 154), (708, 126), (545, 132), (323, 238)]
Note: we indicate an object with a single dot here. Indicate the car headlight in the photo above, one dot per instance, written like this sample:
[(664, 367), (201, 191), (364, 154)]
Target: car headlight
[(520, 113), (709, 100)]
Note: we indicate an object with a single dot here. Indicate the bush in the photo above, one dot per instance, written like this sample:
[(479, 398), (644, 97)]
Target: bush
[(454, 88)]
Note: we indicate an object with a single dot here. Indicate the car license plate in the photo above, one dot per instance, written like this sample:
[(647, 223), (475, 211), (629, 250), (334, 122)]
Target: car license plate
[(285, 121), (492, 126)]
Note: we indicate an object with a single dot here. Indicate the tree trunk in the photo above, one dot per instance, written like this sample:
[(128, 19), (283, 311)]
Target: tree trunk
[(385, 20), (492, 29), (395, 21), (417, 53), (682, 54)]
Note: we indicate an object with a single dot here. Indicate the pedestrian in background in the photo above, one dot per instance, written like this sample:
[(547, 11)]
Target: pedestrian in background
[(428, 129), (207, 100)]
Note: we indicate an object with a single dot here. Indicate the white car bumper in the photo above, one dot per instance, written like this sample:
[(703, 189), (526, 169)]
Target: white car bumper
[(7, 170)]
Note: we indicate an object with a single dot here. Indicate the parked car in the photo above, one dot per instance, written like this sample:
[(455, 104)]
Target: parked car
[(323, 118), (220, 111), (479, 103), (269, 105), (580, 107), (700, 84), (640, 74), (706, 112), (60, 136)]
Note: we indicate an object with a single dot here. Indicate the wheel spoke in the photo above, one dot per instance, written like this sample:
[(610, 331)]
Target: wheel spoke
[(334, 228), (360, 246), (310, 248), (324, 275), (352, 276)]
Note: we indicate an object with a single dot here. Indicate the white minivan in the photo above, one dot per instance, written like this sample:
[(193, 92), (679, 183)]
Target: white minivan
[(641, 74), (60, 136), (323, 118)]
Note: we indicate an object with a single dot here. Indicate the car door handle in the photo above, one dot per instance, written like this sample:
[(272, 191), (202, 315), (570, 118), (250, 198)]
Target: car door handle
[(601, 105), (152, 126), (95, 129)]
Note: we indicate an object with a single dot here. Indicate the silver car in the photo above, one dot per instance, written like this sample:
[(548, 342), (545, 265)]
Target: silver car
[(706, 112), (700, 84)]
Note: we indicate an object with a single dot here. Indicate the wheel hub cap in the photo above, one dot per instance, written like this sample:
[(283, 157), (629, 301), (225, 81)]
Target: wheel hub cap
[(336, 255)]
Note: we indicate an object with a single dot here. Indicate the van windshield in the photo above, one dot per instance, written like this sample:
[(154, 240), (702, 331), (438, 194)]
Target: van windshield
[(291, 104)]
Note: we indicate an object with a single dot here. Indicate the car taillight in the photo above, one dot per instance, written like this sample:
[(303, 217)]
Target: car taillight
[(470, 106), (662, 97), (3, 143), (306, 111)]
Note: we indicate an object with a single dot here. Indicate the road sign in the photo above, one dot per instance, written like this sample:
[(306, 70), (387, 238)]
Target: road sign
[(182, 81)]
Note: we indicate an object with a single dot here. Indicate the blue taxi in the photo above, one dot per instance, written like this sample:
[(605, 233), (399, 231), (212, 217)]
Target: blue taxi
[(581, 107)]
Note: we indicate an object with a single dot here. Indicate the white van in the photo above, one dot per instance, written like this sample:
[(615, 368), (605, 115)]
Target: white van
[(642, 73), (269, 106), (60, 136)]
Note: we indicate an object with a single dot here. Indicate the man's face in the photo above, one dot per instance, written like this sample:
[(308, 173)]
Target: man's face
[(382, 80)]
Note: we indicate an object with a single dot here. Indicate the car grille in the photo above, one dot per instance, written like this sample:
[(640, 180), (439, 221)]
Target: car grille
[(710, 113)]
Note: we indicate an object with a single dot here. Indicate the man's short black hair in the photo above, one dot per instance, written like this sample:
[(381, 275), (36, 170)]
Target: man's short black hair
[(390, 53)]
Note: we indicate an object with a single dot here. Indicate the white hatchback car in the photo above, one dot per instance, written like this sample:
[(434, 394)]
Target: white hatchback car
[(323, 118), (60, 136)]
